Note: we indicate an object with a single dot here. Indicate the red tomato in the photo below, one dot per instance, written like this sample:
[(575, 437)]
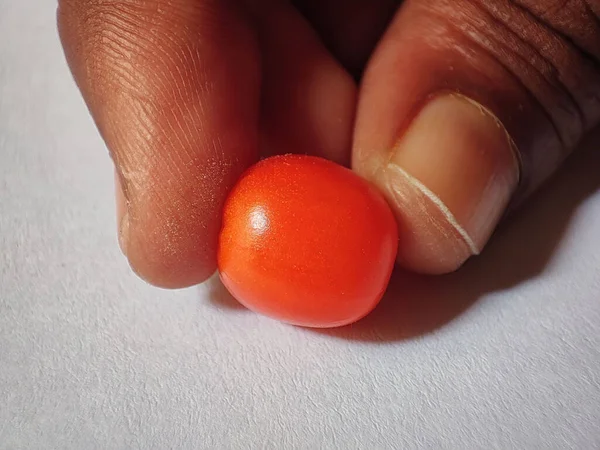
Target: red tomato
[(307, 242)]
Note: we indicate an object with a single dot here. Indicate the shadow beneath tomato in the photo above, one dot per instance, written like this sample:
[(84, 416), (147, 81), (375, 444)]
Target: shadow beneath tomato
[(219, 296), (520, 250)]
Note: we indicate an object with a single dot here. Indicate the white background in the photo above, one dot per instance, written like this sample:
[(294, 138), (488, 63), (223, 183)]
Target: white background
[(504, 354)]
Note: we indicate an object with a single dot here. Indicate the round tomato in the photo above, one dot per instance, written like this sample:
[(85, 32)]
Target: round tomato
[(307, 242)]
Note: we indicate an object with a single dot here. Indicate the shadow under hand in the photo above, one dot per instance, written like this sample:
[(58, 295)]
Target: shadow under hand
[(520, 250)]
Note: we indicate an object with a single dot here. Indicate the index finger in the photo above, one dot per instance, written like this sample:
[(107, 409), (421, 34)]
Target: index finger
[(173, 86)]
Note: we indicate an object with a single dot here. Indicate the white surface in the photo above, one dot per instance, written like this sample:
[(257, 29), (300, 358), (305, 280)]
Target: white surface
[(90, 357)]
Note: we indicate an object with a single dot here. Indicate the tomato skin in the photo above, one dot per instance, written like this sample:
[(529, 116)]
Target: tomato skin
[(307, 242)]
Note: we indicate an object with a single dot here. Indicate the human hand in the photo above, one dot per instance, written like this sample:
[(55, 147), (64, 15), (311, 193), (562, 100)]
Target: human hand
[(465, 107)]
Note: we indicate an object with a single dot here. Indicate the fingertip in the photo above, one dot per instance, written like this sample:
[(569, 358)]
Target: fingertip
[(158, 267), (166, 251)]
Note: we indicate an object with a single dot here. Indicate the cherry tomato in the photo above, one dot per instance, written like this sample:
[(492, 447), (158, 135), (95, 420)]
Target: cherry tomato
[(307, 242)]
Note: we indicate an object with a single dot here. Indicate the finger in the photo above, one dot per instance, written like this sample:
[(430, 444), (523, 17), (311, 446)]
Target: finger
[(308, 100), (173, 86), (468, 106), (350, 29)]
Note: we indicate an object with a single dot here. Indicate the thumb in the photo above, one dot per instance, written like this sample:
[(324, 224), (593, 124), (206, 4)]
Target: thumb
[(466, 107)]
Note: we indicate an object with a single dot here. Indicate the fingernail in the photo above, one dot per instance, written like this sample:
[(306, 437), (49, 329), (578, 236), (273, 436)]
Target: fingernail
[(122, 214), (451, 175)]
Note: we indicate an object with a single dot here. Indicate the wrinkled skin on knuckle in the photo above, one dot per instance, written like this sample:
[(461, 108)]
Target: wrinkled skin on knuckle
[(559, 43), (534, 63), (550, 47)]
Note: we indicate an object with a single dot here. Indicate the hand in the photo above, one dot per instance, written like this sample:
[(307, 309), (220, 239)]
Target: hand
[(465, 107)]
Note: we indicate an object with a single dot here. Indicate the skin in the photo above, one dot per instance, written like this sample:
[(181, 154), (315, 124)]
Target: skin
[(188, 93)]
